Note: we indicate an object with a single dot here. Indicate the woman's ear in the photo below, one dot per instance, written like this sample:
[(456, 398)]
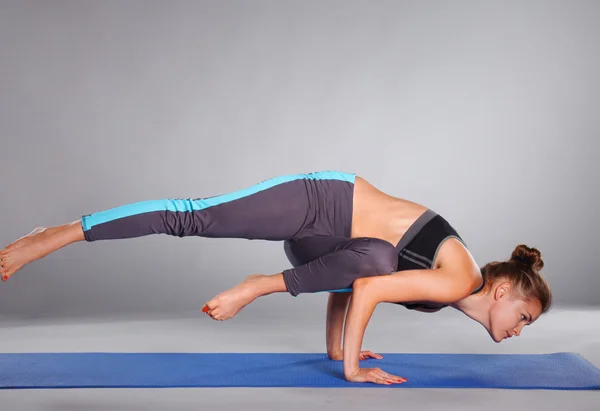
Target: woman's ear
[(502, 290)]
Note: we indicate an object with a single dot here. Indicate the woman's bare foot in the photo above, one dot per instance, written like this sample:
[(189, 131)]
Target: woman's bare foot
[(228, 303), (35, 245), (14, 256)]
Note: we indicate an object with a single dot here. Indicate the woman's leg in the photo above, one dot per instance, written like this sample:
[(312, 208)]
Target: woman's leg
[(279, 208), (343, 261), (276, 209)]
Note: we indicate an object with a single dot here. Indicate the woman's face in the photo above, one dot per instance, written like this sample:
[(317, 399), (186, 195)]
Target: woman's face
[(509, 313)]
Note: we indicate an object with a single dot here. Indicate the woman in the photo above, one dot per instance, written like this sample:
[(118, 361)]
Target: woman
[(341, 235)]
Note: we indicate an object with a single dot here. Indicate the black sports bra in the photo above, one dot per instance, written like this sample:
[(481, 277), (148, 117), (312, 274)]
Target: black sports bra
[(419, 246)]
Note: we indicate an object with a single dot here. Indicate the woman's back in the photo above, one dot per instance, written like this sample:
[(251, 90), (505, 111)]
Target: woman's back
[(380, 215)]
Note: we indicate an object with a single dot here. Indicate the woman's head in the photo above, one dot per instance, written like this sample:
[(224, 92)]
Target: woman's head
[(517, 291)]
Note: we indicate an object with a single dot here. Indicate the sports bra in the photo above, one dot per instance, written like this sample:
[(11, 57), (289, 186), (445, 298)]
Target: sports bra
[(419, 246)]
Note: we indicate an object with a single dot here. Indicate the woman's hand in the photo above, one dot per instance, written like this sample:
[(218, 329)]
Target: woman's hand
[(374, 375), (339, 355)]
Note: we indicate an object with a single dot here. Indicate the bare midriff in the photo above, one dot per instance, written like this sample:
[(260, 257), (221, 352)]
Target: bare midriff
[(379, 215)]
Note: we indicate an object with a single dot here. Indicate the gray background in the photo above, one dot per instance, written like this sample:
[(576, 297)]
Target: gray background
[(485, 111)]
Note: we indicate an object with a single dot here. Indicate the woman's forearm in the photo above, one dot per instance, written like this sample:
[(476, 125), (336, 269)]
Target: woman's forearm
[(362, 305), (337, 304)]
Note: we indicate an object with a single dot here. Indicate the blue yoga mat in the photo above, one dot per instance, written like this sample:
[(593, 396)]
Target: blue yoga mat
[(558, 371)]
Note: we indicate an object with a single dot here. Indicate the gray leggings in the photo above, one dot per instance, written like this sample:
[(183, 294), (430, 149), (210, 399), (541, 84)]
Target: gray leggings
[(333, 263), (311, 213)]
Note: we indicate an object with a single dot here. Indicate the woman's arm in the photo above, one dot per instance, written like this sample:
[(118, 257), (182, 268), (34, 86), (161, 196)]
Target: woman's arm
[(443, 285), (337, 304)]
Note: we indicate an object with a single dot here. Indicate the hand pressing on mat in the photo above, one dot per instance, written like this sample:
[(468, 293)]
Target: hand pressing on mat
[(339, 355), (374, 375), (366, 294)]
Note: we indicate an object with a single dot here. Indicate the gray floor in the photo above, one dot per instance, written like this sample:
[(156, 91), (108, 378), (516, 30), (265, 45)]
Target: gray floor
[(391, 330)]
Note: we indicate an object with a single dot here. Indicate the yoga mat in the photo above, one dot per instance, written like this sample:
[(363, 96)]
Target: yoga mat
[(558, 371)]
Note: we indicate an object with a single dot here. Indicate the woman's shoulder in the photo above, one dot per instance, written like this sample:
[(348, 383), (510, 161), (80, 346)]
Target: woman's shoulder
[(452, 250), (453, 254)]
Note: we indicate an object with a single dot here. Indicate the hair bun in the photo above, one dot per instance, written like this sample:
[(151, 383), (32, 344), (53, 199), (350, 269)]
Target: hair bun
[(528, 256)]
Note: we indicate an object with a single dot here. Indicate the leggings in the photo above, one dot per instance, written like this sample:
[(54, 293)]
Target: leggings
[(311, 213)]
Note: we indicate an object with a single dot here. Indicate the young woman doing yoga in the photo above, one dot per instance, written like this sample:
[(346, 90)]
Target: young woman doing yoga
[(341, 235)]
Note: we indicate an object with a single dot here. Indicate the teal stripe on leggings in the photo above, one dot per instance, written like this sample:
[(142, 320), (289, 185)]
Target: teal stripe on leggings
[(89, 221)]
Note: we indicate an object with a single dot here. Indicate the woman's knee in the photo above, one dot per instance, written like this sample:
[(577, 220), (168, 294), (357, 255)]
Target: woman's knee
[(301, 251), (345, 262), (372, 255), (375, 256)]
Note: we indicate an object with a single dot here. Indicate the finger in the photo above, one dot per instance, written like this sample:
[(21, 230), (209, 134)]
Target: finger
[(377, 375), (380, 374), (379, 380), (391, 377), (396, 379), (371, 354)]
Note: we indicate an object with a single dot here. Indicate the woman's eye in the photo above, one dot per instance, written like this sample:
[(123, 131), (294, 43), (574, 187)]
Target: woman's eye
[(523, 318)]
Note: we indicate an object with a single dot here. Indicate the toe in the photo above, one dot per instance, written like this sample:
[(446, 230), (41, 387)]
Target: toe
[(209, 309), (210, 306), (6, 271), (214, 313)]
